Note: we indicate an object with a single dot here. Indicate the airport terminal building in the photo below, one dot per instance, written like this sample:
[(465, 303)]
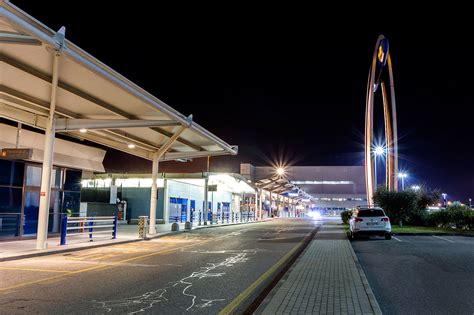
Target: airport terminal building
[(331, 187)]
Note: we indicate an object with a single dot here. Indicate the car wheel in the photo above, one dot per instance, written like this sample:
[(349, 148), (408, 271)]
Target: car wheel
[(351, 235), (388, 236)]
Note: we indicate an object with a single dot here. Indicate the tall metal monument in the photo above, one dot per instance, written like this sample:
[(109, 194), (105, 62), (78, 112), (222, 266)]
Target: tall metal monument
[(381, 72)]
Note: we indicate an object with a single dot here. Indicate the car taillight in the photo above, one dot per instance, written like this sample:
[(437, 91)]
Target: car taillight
[(358, 220), (385, 219)]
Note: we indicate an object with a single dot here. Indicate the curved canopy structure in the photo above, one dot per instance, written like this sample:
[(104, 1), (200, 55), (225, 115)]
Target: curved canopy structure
[(90, 95)]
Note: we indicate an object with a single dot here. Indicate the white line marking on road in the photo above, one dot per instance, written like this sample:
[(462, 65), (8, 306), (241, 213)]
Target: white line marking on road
[(397, 239), (442, 238)]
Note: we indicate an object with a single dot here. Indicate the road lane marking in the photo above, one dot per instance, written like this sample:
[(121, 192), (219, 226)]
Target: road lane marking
[(104, 256), (442, 238), (32, 269), (397, 238), (113, 264)]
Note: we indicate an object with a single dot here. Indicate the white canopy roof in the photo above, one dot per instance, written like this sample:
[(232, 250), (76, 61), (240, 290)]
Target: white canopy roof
[(88, 89)]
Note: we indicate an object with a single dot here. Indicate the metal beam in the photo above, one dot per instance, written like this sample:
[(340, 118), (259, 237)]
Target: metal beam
[(175, 137), (67, 124), (191, 154), (21, 102), (69, 88), (16, 38)]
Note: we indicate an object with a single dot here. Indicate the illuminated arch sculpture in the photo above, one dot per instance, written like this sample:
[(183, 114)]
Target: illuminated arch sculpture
[(381, 66)]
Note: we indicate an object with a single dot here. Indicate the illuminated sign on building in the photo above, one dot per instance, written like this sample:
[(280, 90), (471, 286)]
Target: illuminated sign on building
[(16, 154)]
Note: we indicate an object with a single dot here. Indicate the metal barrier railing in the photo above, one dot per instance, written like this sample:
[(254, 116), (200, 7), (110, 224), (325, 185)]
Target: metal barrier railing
[(10, 224), (87, 225)]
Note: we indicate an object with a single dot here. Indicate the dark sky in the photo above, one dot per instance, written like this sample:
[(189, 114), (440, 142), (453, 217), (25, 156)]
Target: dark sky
[(291, 82)]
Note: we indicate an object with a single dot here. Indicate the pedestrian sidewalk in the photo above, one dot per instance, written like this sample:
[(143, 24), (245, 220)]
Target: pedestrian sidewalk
[(19, 249), (326, 279)]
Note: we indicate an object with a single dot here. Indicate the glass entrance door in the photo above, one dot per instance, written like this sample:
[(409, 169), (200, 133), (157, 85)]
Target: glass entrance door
[(30, 212)]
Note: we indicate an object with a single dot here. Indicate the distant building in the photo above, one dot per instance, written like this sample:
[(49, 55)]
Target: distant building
[(332, 187)]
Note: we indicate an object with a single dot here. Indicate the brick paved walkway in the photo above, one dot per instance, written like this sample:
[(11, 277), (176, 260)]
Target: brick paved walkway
[(326, 279)]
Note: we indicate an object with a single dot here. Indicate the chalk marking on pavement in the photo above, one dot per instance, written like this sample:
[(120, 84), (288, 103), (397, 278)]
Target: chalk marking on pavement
[(32, 269), (397, 238), (442, 238), (244, 294), (113, 264), (151, 298), (147, 300)]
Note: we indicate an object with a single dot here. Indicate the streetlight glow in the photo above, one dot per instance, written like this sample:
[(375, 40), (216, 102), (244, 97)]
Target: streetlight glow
[(379, 150), (403, 176), (280, 171)]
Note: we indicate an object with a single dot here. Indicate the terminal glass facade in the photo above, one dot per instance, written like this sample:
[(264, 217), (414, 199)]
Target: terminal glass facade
[(19, 197)]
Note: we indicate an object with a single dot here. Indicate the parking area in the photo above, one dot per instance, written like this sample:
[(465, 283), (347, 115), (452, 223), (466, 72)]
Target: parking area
[(420, 274)]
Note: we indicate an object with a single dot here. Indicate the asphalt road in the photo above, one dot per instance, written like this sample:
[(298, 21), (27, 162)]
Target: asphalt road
[(420, 274), (200, 272)]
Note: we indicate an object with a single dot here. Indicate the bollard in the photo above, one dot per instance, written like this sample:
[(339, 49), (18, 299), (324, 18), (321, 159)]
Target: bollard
[(175, 227), (90, 231), (114, 233), (142, 226), (188, 225), (63, 229)]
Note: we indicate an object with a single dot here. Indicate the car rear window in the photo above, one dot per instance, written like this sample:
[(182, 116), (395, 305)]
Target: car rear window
[(371, 213)]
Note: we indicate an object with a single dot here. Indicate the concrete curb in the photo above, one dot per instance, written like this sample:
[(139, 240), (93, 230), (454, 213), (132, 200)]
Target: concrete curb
[(76, 249), (251, 298), (68, 250), (370, 294)]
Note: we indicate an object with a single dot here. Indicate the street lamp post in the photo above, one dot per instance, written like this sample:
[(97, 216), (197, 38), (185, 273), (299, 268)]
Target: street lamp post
[(403, 176), (377, 152), (445, 199)]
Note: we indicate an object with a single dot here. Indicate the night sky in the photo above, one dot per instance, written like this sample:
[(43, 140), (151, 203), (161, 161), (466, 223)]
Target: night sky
[(290, 83)]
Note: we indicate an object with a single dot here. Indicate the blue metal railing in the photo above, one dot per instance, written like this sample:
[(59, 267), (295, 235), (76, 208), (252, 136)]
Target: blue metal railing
[(10, 224), (87, 225)]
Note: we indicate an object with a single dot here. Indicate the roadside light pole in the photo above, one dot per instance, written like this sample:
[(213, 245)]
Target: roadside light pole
[(402, 176), (378, 151), (445, 199)]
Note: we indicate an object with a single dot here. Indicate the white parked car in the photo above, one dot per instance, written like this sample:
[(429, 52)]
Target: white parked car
[(370, 221)]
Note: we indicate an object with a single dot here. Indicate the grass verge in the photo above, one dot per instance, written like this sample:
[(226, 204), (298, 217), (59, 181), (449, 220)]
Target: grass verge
[(408, 229)]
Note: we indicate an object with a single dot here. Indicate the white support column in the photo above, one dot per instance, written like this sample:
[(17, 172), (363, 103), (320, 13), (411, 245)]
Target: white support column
[(188, 209), (271, 205), (255, 209), (206, 197), (278, 205), (166, 201), (45, 190), (154, 193), (18, 132), (154, 175)]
